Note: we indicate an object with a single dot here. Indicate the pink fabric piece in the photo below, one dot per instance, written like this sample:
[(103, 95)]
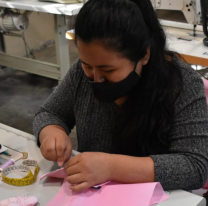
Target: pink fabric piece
[(111, 193), (206, 87), (60, 173), (206, 185)]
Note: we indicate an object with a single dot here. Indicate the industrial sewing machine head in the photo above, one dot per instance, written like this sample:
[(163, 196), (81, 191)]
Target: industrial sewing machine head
[(195, 12)]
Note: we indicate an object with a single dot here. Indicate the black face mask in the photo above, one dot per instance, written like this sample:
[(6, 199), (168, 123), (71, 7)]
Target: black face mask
[(109, 92)]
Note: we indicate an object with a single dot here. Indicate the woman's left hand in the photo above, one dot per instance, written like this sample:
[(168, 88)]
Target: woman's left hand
[(88, 169)]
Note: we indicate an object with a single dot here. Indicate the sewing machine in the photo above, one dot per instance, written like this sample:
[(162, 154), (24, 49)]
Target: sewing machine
[(195, 12), (9, 25)]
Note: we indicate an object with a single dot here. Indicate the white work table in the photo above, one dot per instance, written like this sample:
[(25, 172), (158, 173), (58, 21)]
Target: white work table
[(39, 6), (193, 51), (46, 189)]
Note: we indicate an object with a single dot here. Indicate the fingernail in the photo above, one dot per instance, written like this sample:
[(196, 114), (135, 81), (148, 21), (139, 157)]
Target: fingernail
[(60, 163)]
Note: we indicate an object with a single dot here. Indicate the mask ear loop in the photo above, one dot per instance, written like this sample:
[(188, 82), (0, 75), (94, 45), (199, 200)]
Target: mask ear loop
[(136, 67)]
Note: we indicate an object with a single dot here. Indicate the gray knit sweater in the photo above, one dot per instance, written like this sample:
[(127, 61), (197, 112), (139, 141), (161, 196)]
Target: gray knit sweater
[(185, 166)]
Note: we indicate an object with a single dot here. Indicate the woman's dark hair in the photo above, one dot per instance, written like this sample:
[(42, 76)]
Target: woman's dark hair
[(130, 27)]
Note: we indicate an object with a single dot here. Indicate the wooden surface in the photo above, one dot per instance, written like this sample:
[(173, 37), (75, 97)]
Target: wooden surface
[(195, 60)]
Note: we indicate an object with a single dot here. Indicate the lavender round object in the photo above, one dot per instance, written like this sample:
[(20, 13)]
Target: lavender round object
[(6, 164)]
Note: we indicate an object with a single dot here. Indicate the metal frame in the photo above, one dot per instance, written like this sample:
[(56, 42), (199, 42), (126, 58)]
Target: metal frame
[(62, 44), (54, 71)]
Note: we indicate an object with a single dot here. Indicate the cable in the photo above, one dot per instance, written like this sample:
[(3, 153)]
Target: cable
[(27, 47), (22, 34), (23, 37)]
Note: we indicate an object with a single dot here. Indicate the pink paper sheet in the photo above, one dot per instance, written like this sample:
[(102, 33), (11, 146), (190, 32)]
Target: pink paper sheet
[(111, 193), (60, 173)]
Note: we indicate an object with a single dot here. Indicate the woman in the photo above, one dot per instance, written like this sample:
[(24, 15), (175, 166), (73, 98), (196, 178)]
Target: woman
[(140, 113)]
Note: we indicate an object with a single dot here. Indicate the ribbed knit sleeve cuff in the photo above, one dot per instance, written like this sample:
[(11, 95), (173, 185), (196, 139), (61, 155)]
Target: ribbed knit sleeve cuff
[(44, 119)]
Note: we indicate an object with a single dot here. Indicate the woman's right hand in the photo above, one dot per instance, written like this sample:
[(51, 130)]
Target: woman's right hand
[(55, 144)]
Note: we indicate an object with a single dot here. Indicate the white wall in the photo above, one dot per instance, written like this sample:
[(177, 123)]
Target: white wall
[(40, 30)]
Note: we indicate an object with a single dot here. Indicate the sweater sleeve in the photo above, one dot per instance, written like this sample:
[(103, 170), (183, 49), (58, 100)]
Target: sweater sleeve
[(58, 109), (185, 166)]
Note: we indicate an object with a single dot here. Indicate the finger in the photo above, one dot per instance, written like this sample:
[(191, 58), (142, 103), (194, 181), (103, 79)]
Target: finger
[(48, 148), (61, 145), (72, 161), (75, 179), (68, 152), (72, 170), (45, 154), (80, 187), (47, 157)]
